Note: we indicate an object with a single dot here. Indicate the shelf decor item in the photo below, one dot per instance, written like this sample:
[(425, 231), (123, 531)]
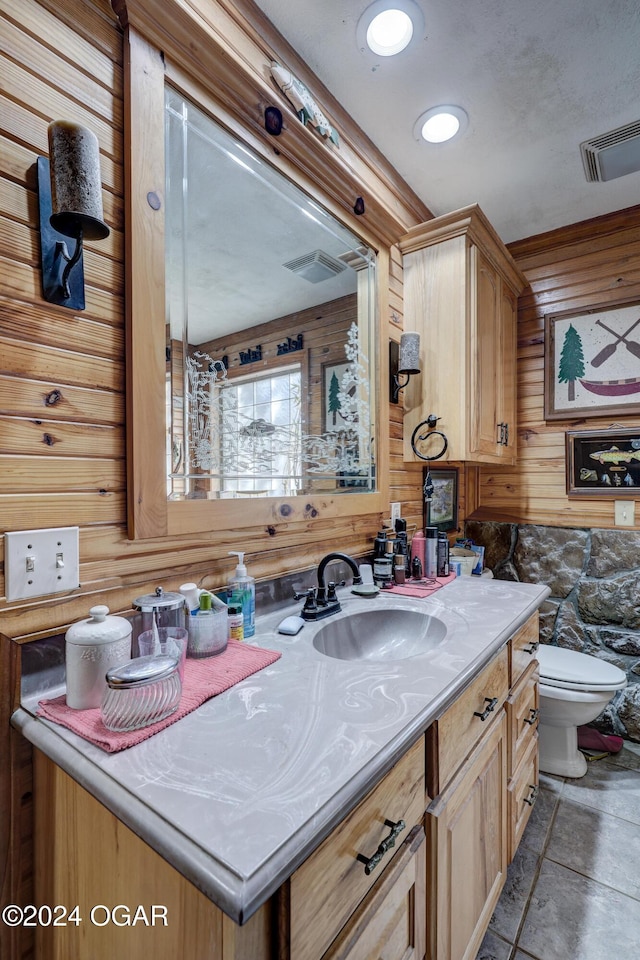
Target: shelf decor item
[(592, 361), (603, 463)]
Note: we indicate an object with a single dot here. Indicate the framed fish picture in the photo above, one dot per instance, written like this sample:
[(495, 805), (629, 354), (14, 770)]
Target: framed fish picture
[(592, 362), (603, 463)]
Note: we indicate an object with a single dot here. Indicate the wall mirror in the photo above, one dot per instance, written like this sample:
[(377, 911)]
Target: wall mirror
[(270, 321)]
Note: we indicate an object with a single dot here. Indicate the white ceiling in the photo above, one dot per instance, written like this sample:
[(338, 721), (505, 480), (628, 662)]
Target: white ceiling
[(536, 77)]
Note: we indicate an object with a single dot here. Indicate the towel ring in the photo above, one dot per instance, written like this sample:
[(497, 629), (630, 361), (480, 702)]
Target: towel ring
[(418, 442)]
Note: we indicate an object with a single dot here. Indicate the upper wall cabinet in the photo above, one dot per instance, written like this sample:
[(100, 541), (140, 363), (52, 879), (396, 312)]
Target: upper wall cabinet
[(460, 294)]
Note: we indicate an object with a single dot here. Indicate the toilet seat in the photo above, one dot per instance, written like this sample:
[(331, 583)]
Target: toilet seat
[(570, 670)]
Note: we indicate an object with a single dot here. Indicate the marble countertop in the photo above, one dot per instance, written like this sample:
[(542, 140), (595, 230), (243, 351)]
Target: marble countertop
[(238, 793)]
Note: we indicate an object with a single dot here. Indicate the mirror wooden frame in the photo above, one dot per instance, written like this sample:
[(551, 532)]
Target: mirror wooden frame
[(163, 41)]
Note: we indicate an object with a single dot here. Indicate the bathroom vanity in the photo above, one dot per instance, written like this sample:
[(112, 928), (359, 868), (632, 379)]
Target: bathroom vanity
[(251, 819)]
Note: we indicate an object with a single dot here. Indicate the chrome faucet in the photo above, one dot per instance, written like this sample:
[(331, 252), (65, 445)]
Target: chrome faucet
[(322, 601)]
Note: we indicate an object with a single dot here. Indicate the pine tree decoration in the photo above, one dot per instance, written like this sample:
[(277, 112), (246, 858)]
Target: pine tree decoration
[(571, 361)]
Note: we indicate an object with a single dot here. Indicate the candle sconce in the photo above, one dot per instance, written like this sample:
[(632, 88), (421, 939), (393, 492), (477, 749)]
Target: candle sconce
[(70, 204), (404, 361)]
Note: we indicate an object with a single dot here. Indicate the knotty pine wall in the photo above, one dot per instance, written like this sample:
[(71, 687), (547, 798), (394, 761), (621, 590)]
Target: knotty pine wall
[(62, 374), (573, 268)]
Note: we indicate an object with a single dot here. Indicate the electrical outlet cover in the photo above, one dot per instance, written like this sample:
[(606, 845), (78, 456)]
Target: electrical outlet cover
[(41, 562), (395, 511)]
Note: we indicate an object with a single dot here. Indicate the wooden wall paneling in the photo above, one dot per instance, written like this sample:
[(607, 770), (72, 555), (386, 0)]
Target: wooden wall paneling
[(16, 809), (583, 265), (47, 325)]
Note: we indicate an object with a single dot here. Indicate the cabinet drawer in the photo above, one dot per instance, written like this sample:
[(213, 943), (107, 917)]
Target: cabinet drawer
[(523, 646), (326, 889), (392, 921), (463, 724), (523, 708), (522, 793)]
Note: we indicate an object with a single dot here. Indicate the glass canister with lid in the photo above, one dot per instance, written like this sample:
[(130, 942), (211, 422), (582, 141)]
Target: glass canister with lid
[(163, 609), (92, 647)]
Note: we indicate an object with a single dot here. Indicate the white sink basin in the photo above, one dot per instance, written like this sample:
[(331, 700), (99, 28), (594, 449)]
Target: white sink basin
[(391, 634)]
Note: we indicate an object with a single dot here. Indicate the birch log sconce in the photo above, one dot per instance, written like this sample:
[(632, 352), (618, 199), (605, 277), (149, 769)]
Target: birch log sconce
[(70, 202)]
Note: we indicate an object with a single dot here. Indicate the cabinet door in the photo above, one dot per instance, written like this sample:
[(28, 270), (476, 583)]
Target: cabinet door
[(485, 357), (467, 831), (507, 413), (324, 892), (391, 923)]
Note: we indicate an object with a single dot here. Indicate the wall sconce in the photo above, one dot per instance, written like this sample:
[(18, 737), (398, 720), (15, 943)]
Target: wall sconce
[(404, 361), (70, 202)]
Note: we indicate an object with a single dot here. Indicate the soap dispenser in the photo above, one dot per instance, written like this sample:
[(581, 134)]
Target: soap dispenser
[(241, 589)]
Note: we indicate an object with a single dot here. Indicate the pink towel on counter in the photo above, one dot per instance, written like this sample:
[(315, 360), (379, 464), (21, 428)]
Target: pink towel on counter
[(203, 679), (420, 588)]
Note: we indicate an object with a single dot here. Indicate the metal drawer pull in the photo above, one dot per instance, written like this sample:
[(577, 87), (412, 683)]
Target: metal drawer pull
[(492, 703), (534, 716), (531, 799), (370, 863), (532, 647)]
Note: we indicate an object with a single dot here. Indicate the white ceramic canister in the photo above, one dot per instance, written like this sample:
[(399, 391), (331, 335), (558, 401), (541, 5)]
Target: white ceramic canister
[(94, 646)]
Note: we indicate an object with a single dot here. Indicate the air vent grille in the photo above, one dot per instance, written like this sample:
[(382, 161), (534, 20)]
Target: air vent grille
[(613, 154), (316, 266)]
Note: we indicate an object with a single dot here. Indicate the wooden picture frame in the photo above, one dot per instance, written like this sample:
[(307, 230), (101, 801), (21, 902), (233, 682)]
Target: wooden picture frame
[(592, 361), (615, 473), (442, 510)]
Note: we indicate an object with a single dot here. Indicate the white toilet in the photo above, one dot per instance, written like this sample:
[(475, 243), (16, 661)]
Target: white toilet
[(574, 689)]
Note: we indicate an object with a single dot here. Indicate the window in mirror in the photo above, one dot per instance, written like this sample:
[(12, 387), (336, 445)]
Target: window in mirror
[(270, 320)]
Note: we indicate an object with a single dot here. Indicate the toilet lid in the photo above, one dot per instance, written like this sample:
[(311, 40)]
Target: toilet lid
[(559, 666)]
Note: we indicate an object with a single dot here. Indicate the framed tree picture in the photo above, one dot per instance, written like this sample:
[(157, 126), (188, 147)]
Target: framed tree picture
[(592, 362), (442, 510)]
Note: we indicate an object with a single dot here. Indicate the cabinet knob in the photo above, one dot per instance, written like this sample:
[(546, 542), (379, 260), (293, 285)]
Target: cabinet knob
[(531, 649), (370, 863), (533, 716), (503, 434), (531, 799), (491, 704)]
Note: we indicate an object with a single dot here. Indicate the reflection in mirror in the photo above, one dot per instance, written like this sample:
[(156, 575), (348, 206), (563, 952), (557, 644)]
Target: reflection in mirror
[(271, 312)]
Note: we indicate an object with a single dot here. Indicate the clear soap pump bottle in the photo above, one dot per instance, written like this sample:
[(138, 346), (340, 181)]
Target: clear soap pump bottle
[(241, 589)]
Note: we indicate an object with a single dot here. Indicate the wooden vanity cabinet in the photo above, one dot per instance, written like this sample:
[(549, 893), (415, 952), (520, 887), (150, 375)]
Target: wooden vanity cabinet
[(460, 294), (322, 895), (482, 770), (430, 896)]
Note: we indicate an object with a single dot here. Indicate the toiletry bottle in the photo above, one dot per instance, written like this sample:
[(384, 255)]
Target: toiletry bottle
[(417, 549), (241, 589), (236, 622), (431, 552), (191, 595), (399, 572), (380, 545), (443, 555)]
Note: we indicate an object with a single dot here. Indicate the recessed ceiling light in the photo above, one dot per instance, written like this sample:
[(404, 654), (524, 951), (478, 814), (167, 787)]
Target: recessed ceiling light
[(388, 26), (440, 124)]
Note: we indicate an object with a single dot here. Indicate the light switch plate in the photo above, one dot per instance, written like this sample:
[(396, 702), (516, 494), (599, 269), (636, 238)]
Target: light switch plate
[(40, 562), (624, 513)]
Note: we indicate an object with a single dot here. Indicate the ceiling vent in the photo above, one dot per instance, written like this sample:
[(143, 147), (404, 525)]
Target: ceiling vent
[(614, 154), (316, 266)]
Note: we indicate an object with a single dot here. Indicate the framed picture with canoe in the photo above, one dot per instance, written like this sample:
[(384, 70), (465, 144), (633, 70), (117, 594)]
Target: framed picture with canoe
[(592, 362), (604, 463)]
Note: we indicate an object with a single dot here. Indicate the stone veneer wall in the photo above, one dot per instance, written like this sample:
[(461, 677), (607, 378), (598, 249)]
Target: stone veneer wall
[(594, 607)]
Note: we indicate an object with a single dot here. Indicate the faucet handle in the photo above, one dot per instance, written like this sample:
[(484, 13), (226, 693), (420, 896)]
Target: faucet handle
[(307, 592), (331, 591)]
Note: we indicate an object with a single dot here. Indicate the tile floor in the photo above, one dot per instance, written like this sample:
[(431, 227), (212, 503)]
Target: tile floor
[(573, 889)]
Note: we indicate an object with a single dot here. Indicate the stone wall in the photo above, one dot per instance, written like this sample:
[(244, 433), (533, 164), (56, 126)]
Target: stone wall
[(594, 607)]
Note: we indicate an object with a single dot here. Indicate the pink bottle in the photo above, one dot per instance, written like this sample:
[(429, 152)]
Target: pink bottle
[(418, 545)]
